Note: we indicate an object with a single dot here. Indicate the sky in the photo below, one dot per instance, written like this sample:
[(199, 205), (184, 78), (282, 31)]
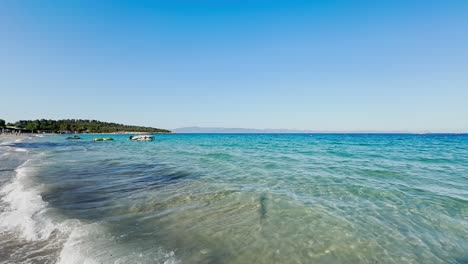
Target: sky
[(317, 65)]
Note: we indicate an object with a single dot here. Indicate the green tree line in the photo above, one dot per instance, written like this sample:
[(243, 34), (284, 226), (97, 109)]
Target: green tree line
[(80, 125)]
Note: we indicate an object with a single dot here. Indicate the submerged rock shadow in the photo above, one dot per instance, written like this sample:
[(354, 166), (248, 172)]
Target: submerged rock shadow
[(263, 206)]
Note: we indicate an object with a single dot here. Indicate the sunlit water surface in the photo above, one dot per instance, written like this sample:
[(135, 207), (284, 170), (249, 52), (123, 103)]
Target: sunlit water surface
[(258, 198)]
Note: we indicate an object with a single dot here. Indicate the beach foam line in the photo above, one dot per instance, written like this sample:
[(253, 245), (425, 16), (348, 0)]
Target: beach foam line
[(26, 209), (26, 214), (20, 150), (73, 250), (92, 244)]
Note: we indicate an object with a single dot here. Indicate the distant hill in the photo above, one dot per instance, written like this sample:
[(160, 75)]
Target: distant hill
[(235, 130), (221, 130), (79, 125)]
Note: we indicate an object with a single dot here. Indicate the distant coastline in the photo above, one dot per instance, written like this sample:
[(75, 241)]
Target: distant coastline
[(72, 126), (223, 130)]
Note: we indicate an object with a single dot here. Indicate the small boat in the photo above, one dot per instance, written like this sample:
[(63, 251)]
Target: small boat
[(142, 138), (102, 139), (73, 137)]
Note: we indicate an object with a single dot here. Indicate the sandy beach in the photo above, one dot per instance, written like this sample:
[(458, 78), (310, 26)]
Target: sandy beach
[(13, 137), (16, 136)]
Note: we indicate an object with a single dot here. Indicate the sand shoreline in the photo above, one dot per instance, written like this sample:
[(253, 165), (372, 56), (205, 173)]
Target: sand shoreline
[(17, 136)]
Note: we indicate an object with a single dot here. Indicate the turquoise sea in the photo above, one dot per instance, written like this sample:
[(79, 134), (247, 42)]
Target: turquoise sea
[(235, 198)]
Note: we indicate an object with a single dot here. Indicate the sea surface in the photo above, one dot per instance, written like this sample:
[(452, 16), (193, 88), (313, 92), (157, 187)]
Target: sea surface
[(235, 198)]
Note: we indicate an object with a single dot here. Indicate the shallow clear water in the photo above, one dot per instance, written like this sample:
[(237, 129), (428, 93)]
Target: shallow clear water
[(252, 198)]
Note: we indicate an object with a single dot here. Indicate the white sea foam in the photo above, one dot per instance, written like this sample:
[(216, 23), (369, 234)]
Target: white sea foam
[(7, 142), (73, 250), (27, 214), (21, 150), (91, 243), (26, 208)]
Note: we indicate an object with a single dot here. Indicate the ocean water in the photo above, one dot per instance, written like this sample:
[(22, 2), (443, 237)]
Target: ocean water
[(233, 198)]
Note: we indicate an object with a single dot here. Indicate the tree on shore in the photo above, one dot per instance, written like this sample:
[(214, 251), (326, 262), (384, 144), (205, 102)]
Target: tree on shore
[(33, 126), (2, 123)]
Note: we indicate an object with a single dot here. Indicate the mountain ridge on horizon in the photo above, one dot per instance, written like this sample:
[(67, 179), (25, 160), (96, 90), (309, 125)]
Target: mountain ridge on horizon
[(196, 129)]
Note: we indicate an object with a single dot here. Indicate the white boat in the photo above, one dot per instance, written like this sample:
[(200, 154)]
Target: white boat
[(142, 138)]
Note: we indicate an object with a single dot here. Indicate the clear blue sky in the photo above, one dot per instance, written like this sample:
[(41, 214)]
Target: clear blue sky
[(322, 65)]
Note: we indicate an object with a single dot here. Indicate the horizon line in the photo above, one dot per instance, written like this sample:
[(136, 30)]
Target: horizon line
[(304, 131)]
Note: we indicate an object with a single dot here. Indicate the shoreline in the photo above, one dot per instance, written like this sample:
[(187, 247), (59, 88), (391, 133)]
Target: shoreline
[(26, 135), (17, 136)]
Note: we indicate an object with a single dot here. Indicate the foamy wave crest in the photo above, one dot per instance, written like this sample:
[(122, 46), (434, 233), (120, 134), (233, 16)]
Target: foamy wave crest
[(28, 215), (26, 208), (21, 150), (91, 243)]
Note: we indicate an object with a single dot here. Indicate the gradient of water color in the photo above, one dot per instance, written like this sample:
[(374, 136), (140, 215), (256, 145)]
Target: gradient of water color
[(213, 198)]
